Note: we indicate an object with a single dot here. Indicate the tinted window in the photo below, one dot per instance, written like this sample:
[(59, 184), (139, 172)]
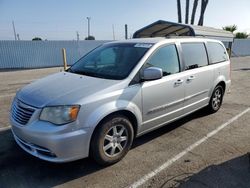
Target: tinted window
[(165, 58), (194, 55), (111, 61), (216, 52)]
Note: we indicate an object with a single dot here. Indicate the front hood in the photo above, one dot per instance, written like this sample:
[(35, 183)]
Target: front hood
[(64, 89)]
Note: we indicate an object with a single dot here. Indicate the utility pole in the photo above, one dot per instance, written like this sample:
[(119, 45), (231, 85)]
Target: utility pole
[(113, 28), (126, 31), (14, 29), (77, 36), (88, 18), (18, 37)]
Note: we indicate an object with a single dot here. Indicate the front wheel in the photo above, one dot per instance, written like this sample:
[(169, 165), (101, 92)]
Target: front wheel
[(112, 140), (216, 99)]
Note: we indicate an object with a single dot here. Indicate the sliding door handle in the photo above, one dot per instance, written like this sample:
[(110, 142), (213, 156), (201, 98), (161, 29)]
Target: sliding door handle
[(190, 78)]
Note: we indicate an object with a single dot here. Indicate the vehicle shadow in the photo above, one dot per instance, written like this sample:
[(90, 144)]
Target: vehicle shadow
[(19, 169), (168, 128), (230, 174)]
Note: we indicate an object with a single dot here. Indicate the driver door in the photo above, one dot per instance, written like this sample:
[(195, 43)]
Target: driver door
[(163, 99)]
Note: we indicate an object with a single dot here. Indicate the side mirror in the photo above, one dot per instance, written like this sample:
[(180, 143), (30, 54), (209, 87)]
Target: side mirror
[(152, 73)]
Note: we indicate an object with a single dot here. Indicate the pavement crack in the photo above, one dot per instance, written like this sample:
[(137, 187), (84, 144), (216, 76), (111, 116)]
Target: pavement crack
[(198, 182), (187, 129), (200, 156), (175, 179)]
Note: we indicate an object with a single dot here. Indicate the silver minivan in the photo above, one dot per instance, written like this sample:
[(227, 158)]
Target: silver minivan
[(117, 92)]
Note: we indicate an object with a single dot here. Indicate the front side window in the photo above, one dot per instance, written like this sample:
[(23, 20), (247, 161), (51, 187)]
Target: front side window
[(216, 52), (111, 61), (194, 55), (165, 58)]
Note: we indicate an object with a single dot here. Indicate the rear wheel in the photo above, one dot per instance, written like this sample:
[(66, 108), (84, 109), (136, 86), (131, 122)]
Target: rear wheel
[(112, 140), (216, 99)]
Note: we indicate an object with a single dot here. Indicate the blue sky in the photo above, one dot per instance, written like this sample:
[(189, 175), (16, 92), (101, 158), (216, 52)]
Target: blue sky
[(60, 19)]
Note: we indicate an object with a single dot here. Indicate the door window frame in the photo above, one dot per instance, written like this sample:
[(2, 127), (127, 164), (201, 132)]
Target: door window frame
[(193, 42), (209, 59), (158, 48), (137, 80)]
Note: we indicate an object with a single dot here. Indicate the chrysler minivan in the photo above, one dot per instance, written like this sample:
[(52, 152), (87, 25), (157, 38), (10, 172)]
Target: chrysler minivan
[(117, 92)]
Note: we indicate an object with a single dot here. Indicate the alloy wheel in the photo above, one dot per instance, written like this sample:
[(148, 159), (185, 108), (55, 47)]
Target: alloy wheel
[(115, 140), (217, 98)]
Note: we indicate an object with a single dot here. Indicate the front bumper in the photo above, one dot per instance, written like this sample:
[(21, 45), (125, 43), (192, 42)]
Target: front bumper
[(52, 143)]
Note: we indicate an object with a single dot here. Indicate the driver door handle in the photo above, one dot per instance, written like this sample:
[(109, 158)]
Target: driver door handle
[(178, 82)]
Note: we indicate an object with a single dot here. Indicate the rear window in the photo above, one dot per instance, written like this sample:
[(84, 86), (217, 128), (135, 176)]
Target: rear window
[(194, 55), (217, 52)]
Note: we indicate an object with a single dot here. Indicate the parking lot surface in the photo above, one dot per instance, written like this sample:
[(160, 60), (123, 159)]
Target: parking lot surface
[(199, 150)]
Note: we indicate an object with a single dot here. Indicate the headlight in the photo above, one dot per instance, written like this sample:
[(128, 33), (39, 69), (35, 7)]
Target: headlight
[(60, 114)]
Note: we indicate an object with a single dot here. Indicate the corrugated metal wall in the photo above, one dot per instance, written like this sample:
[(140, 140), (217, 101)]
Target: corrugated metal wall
[(36, 54), (241, 47)]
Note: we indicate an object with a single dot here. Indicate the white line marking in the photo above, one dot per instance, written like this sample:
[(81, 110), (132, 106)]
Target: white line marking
[(165, 165), (5, 128)]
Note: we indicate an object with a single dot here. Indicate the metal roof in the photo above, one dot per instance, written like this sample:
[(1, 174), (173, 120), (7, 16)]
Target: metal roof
[(163, 28)]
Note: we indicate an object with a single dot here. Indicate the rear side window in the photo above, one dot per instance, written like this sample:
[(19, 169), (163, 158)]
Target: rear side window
[(194, 55), (216, 52), (165, 58)]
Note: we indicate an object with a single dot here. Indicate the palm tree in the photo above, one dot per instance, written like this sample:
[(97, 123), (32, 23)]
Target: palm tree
[(187, 11), (179, 11), (203, 9), (241, 35), (231, 28), (195, 4)]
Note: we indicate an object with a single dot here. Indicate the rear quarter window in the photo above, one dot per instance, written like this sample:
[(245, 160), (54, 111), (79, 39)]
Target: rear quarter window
[(194, 55), (217, 52)]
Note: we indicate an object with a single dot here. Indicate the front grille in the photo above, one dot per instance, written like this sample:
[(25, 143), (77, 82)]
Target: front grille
[(21, 112)]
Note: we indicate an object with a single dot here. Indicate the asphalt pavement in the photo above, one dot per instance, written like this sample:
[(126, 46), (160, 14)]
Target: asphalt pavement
[(199, 150)]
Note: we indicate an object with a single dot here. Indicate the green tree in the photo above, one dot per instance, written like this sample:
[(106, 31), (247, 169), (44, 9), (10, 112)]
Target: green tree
[(90, 38), (241, 35), (231, 28), (36, 38)]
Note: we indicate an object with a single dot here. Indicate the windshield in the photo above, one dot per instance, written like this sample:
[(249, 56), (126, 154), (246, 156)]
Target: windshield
[(111, 61)]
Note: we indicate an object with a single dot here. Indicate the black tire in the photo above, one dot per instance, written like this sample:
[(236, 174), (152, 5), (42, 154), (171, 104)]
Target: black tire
[(216, 99), (105, 139)]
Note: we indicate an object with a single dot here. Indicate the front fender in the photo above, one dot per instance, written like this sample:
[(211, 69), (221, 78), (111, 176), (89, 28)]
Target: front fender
[(101, 112)]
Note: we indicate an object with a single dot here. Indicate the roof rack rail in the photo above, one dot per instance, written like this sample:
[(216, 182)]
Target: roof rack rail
[(173, 36)]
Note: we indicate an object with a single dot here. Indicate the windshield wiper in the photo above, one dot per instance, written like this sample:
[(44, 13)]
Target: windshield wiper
[(92, 74), (84, 73)]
